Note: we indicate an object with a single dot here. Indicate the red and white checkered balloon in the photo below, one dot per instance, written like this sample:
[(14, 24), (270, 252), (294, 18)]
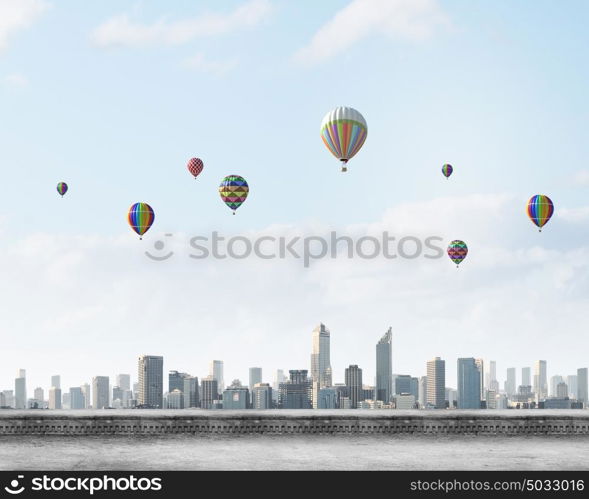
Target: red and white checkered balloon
[(195, 166)]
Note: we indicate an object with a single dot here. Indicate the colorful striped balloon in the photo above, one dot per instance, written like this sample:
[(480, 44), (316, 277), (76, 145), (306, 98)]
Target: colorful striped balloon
[(195, 166), (62, 188), (344, 131), (540, 209), (233, 191), (140, 218), (447, 170), (457, 251)]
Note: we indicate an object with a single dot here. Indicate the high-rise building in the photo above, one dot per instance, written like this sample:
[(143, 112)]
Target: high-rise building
[(151, 381), (572, 384), (526, 376), (320, 356), (279, 377), (554, 382), (54, 398), (39, 395), (56, 381), (123, 381), (353, 377), (191, 392), (469, 384), (511, 382), (436, 383), (491, 380), (327, 398), (404, 383), (582, 392), (236, 396), (210, 392), (255, 377), (86, 392), (384, 367), (100, 392), (262, 396), (175, 399), (216, 371), (562, 390), (20, 390), (117, 396), (540, 380), (77, 400), (176, 381), (422, 392), (481, 368), (296, 392)]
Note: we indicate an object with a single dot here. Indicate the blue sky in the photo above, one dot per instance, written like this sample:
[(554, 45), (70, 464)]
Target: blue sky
[(113, 97)]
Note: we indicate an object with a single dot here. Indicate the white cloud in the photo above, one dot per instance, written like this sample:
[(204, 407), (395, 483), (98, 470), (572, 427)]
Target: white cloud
[(412, 20), (16, 15), (580, 214), (200, 63), (582, 178), (121, 31), (16, 80)]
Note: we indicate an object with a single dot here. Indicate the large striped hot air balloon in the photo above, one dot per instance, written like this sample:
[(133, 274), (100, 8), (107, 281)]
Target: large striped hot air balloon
[(140, 218), (62, 188), (457, 251), (233, 191), (447, 170), (195, 166), (344, 131), (540, 209)]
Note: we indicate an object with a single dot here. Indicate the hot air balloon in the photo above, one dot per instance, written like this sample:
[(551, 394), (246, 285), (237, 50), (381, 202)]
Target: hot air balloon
[(233, 191), (457, 251), (540, 209), (140, 218), (447, 170), (195, 166), (343, 131), (62, 188)]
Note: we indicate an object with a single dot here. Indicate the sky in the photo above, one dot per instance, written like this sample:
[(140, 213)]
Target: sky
[(114, 97)]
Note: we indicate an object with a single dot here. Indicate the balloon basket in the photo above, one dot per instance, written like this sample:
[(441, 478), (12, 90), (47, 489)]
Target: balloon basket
[(344, 169)]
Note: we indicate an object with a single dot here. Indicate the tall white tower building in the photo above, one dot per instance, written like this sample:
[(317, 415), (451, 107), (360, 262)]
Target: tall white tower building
[(320, 359)]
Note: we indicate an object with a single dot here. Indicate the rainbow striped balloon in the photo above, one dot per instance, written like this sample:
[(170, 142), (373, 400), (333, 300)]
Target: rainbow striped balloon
[(447, 170), (540, 209), (140, 218), (344, 131), (62, 188), (457, 251), (233, 191)]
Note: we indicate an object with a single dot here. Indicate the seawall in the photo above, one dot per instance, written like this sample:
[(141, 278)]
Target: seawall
[(278, 422)]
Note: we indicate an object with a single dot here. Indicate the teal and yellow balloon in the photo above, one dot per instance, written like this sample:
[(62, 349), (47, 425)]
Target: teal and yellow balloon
[(344, 132), (234, 191), (457, 251)]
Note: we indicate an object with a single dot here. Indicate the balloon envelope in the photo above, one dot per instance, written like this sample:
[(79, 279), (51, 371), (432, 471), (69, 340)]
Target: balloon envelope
[(62, 188), (447, 170), (140, 217), (344, 131), (457, 251), (195, 166), (540, 209), (233, 191)]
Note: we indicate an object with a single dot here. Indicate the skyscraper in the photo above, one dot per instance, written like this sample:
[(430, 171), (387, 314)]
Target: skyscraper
[(554, 382), (86, 393), (216, 371), (511, 383), (582, 392), (123, 381), (526, 377), (540, 380), (481, 368), (354, 384), (255, 377), (56, 381), (320, 359), (176, 381), (436, 383), (296, 392), (100, 392), (279, 377), (422, 392), (77, 398), (210, 392), (404, 383), (572, 384), (236, 396), (492, 378), (469, 384), (20, 390), (39, 396), (262, 396), (384, 367), (191, 392), (54, 398), (151, 381)]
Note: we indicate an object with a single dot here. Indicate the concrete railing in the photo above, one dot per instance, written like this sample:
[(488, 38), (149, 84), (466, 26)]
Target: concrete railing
[(337, 422)]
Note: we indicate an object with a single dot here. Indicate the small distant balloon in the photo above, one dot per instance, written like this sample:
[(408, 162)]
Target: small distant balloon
[(140, 218), (344, 131), (457, 251), (195, 166), (233, 191), (540, 210), (447, 170), (62, 188)]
